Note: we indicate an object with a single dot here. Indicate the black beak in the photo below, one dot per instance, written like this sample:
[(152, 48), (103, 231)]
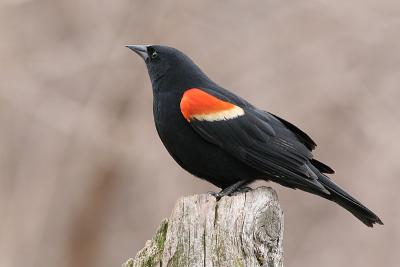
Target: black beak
[(141, 50)]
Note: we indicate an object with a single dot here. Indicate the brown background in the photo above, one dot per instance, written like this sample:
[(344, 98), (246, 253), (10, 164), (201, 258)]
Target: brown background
[(84, 179)]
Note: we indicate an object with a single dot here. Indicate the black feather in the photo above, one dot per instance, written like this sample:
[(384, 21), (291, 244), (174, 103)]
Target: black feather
[(302, 136), (342, 198), (322, 167)]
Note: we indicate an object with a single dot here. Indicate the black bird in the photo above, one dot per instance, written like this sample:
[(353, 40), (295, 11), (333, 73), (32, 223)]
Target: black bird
[(220, 137)]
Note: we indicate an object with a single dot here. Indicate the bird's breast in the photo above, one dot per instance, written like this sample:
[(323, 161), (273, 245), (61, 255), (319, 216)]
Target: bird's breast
[(190, 150)]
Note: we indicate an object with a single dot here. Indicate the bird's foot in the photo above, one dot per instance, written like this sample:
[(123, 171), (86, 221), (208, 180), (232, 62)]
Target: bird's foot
[(215, 194), (238, 187), (241, 190)]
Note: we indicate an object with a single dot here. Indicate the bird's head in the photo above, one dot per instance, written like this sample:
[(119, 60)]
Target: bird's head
[(167, 65)]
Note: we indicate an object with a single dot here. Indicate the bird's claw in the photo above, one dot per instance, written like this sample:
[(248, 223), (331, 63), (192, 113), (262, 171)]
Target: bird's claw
[(223, 193), (218, 196), (241, 190)]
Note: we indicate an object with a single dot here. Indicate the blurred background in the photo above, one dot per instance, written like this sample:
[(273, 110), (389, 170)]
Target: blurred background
[(84, 178)]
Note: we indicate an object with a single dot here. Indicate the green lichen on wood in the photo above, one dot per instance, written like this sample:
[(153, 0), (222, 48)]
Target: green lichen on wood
[(151, 254), (161, 234), (239, 262), (128, 263), (179, 258), (221, 252)]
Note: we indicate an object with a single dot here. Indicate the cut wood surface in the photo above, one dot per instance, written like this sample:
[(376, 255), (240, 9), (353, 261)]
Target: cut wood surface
[(241, 230)]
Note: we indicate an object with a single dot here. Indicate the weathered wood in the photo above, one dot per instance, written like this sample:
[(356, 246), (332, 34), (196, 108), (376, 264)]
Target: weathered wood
[(242, 230)]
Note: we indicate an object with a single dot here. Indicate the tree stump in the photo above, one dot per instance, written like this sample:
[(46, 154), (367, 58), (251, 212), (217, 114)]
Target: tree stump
[(242, 230)]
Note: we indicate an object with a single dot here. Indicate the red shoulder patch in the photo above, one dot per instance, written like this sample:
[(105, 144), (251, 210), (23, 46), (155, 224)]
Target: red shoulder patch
[(199, 105)]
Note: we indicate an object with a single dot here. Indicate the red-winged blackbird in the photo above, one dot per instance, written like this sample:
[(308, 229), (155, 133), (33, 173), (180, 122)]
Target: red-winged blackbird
[(220, 137)]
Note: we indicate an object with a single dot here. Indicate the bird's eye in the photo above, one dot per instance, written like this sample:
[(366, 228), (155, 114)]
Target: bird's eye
[(154, 55)]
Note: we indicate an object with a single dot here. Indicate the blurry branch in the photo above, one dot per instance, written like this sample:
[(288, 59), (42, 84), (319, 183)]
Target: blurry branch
[(242, 230)]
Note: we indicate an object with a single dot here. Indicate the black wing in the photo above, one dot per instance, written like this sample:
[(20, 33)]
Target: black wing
[(266, 143)]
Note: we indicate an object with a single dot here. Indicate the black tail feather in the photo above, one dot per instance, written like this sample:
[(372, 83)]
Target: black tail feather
[(322, 167), (348, 202)]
